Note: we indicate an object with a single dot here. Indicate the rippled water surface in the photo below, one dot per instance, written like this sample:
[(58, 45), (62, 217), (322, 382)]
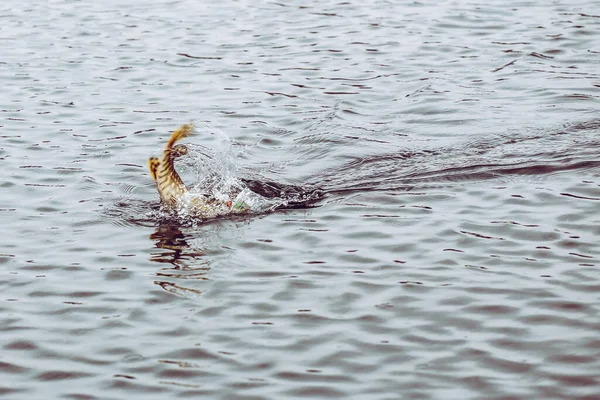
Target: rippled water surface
[(454, 254)]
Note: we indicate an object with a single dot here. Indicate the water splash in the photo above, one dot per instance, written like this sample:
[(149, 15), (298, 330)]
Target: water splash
[(219, 189)]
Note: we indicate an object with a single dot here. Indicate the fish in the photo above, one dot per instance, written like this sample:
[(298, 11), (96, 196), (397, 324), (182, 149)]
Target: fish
[(173, 192)]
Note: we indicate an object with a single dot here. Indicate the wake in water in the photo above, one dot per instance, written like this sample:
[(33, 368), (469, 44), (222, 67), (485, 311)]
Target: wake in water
[(527, 152), (218, 176)]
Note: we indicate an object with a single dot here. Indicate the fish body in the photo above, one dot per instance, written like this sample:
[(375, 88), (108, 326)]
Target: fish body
[(174, 193), (168, 182)]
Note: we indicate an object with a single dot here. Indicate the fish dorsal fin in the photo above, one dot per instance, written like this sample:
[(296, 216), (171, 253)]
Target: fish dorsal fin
[(153, 164), (184, 131)]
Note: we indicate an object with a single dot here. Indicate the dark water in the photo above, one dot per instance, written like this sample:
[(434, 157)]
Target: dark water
[(454, 255)]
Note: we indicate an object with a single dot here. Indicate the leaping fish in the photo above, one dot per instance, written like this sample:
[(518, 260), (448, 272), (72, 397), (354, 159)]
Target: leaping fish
[(174, 193)]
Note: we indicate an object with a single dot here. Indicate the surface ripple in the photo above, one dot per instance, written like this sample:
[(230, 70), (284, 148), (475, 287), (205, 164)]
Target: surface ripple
[(451, 252)]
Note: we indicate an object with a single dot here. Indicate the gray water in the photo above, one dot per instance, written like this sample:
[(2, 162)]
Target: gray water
[(454, 255)]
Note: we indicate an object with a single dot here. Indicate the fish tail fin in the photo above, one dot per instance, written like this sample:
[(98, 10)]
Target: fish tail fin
[(153, 164), (184, 131)]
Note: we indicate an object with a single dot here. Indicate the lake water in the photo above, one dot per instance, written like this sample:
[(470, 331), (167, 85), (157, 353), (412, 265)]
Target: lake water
[(454, 255)]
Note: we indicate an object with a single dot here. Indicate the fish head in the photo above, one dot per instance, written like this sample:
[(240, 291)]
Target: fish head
[(179, 150)]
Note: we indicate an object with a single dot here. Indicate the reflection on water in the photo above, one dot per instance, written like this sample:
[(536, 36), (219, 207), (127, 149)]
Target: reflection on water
[(171, 239), (185, 253), (185, 261)]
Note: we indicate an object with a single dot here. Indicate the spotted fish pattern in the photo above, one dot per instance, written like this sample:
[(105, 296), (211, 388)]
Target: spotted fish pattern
[(173, 191)]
